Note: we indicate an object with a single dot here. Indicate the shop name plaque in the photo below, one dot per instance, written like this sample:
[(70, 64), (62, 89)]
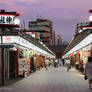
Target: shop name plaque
[(7, 19)]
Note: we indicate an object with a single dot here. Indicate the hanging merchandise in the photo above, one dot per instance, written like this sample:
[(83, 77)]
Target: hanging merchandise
[(24, 62), (27, 53), (21, 66), (32, 53), (25, 69), (85, 56)]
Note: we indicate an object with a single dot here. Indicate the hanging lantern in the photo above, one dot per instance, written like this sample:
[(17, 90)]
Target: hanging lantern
[(72, 54)]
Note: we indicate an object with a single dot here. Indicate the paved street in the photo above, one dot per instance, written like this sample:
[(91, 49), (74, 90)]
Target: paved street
[(51, 80)]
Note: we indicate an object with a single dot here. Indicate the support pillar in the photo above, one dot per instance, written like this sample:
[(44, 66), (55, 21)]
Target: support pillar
[(17, 63), (3, 66)]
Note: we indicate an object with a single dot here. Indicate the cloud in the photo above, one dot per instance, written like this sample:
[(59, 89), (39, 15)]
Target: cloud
[(28, 2), (2, 5), (20, 2), (9, 2)]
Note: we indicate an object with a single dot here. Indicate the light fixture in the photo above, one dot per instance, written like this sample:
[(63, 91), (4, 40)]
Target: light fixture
[(90, 18), (16, 21)]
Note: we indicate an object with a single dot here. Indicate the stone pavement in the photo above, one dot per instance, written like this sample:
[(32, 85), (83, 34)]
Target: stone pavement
[(51, 80)]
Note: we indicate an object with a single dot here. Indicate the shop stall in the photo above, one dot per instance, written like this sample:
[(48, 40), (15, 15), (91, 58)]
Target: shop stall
[(80, 48), (23, 56)]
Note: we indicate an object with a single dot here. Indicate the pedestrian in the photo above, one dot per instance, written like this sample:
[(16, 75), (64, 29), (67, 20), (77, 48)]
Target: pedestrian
[(54, 63), (88, 71), (49, 64), (81, 66), (44, 64), (67, 62), (63, 62), (60, 63), (46, 67)]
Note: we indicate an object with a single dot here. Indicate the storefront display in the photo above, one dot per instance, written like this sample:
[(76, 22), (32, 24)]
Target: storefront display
[(24, 62)]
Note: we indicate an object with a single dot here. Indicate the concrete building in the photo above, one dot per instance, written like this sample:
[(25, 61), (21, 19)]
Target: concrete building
[(45, 28), (58, 40), (52, 42)]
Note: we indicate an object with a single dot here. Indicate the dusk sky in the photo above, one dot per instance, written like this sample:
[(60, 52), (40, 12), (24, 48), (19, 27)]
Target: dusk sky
[(65, 14)]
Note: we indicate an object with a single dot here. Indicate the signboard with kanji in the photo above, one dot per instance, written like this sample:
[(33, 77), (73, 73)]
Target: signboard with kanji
[(7, 19)]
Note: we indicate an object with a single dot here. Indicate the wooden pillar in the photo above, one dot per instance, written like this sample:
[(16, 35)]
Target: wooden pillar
[(91, 52), (17, 63), (3, 66)]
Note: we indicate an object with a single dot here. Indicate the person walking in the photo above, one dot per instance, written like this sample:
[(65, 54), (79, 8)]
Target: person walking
[(88, 71), (81, 66), (67, 62), (44, 64), (63, 62), (46, 67), (54, 63)]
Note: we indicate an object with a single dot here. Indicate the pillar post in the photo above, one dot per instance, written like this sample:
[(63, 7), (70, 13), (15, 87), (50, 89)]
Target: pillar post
[(3, 66), (17, 63)]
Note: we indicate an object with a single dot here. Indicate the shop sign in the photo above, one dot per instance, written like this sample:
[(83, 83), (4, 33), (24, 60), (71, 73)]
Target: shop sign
[(7, 19), (7, 39)]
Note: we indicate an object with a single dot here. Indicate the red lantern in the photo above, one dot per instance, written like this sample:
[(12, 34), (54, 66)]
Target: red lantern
[(72, 54), (78, 52)]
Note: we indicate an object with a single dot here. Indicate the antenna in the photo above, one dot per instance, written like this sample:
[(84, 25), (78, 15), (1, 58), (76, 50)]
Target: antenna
[(23, 25), (39, 16)]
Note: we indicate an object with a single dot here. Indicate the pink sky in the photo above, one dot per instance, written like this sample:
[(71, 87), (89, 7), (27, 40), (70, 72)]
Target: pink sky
[(65, 14)]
